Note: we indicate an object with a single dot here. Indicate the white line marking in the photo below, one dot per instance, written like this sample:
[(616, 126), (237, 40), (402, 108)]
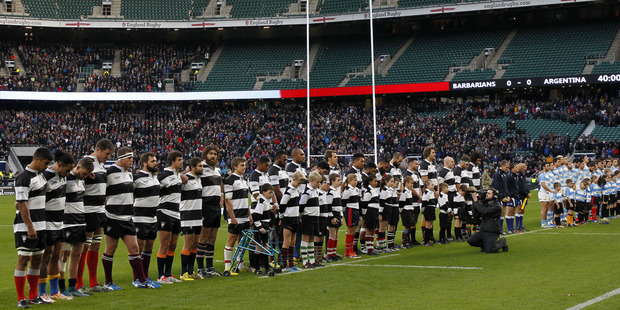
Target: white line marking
[(413, 266), (334, 265), (588, 234), (595, 300)]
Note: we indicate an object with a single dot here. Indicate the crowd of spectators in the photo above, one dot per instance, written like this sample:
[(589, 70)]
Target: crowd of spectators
[(253, 131)]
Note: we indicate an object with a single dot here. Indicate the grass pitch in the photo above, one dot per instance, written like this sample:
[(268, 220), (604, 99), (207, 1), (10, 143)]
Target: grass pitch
[(544, 269)]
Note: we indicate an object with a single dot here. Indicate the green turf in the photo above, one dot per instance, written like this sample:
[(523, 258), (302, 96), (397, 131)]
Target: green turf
[(544, 269)]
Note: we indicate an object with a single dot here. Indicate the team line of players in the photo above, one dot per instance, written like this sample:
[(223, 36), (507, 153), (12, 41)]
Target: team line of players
[(64, 211)]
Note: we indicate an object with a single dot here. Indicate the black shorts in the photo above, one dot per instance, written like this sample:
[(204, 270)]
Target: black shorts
[(352, 217), (238, 229), (596, 201), (191, 230), (338, 222), (386, 213), (94, 221), (168, 223), (309, 226), (290, 223), (371, 220), (582, 206), (30, 247), (429, 214), (146, 231), (394, 217), (559, 209), (261, 238), (407, 218), (444, 220), (74, 235), (118, 229), (612, 199), (323, 222), (568, 205), (53, 236), (211, 216)]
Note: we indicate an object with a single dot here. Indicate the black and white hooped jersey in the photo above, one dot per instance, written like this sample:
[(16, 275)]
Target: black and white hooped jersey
[(261, 212), (428, 169), (74, 205), (309, 202), (191, 202), (211, 180), (351, 197), (358, 175), (446, 175), (370, 197), (395, 172), (256, 180), (95, 189), (335, 201), (293, 167), (30, 188), (278, 177), (169, 193), (475, 177), (119, 194), (428, 199), (444, 206), (289, 204), (55, 199), (146, 197), (461, 176), (333, 170), (324, 206), (405, 201), (236, 190)]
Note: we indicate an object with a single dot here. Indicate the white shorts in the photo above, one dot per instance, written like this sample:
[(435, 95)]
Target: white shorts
[(544, 196)]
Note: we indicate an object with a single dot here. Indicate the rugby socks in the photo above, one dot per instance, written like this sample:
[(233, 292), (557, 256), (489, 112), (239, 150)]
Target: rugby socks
[(405, 236), (381, 240), (501, 223), (138, 270), (549, 216), (53, 279), (184, 261), (510, 223), (311, 257), (442, 235), (370, 243), (192, 259), (72, 283), (210, 249), (20, 283), (61, 285), (228, 254), (200, 255), (284, 256), (318, 250), (297, 249), (169, 261), (161, 263), (107, 262), (557, 221), (331, 247), (146, 262), (33, 279), (348, 244), (80, 272), (412, 235), (304, 252), (356, 239), (92, 259), (569, 219), (390, 239), (519, 221), (42, 286)]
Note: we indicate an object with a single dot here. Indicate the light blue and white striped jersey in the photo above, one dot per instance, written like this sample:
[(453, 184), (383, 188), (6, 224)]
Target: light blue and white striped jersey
[(581, 195)]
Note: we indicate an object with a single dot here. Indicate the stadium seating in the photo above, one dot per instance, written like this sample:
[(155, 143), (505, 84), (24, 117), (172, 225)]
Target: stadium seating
[(545, 51), (71, 9), (285, 84), (537, 127), (198, 7), (429, 57), (242, 61), (156, 9), (474, 75), (327, 7), (258, 8), (336, 58), (41, 8), (607, 67), (606, 133)]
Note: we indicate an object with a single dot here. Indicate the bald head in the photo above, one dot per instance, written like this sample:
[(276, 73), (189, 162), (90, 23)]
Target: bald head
[(298, 155), (448, 162)]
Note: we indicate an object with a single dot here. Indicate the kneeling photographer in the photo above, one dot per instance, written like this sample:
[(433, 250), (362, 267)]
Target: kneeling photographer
[(487, 213)]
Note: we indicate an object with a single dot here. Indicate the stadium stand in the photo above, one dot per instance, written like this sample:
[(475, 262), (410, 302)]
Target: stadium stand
[(258, 8), (607, 67), (545, 51), (71, 9), (41, 8), (156, 9), (332, 7), (473, 75), (242, 61), (606, 133)]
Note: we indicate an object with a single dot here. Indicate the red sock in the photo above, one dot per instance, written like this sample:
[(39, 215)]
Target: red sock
[(80, 272), (335, 247), (20, 284), (92, 260), (349, 244), (33, 286)]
